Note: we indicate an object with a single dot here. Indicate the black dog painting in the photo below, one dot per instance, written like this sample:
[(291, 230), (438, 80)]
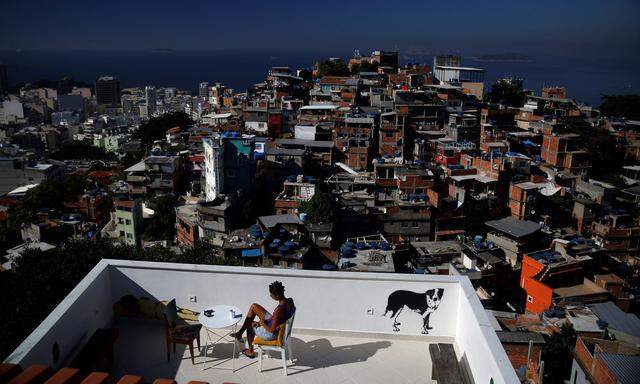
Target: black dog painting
[(423, 303)]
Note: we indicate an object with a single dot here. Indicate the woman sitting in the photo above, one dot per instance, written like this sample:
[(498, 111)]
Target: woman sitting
[(267, 325)]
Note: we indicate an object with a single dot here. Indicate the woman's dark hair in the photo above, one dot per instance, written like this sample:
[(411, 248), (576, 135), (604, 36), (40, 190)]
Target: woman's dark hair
[(276, 288)]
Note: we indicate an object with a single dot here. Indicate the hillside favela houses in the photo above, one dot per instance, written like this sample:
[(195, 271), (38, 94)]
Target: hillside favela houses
[(430, 226)]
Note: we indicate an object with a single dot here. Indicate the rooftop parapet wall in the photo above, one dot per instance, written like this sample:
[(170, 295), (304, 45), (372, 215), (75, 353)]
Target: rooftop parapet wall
[(336, 301), (348, 302)]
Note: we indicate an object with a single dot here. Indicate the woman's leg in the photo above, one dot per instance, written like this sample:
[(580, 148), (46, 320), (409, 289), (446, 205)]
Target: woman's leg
[(251, 334), (254, 310)]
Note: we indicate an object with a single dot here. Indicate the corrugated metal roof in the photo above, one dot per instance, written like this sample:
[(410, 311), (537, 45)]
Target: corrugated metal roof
[(617, 319), (624, 367), (272, 220), (514, 227)]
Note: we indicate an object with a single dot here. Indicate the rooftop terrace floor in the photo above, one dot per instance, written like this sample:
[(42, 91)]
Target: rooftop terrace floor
[(319, 358)]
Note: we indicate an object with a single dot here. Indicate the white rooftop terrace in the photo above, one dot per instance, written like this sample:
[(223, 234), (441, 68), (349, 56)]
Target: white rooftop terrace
[(340, 334)]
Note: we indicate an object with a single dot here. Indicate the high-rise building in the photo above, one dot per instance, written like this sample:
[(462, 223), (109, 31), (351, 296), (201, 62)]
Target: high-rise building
[(204, 90), (4, 82), (65, 86), (108, 91), (215, 94), (213, 167), (150, 97), (128, 217), (228, 164), (446, 61)]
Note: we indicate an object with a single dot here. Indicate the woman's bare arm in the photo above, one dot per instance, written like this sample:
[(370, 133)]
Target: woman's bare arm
[(275, 321)]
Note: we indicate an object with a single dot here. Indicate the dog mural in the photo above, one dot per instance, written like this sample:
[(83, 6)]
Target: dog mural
[(423, 303)]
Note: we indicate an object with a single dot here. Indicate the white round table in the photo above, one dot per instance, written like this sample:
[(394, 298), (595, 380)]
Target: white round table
[(219, 327)]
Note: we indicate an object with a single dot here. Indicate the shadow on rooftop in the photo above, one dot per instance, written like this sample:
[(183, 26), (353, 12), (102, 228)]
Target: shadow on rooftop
[(317, 354)]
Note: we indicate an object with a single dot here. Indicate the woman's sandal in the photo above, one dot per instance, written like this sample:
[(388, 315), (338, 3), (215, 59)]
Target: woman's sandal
[(245, 352)]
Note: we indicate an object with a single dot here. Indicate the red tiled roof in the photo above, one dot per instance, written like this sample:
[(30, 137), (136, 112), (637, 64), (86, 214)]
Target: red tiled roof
[(8, 201), (334, 80), (100, 174), (125, 203)]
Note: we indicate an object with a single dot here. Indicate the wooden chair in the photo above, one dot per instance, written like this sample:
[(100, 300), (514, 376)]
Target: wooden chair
[(183, 334), (280, 344)]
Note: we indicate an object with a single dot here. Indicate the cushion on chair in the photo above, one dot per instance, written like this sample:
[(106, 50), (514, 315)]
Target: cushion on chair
[(183, 313), (277, 342), (186, 332), (171, 312)]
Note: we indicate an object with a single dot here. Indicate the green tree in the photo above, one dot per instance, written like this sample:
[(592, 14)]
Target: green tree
[(80, 150), (156, 127), (506, 92), (557, 356), (38, 282), (305, 74), (627, 106), (48, 194), (162, 225), (607, 156), (364, 66), (131, 158), (333, 68), (321, 208)]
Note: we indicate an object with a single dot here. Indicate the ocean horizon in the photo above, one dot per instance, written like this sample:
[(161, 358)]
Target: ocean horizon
[(586, 79)]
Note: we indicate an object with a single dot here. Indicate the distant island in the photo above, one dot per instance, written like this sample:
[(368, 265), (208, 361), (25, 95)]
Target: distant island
[(504, 57)]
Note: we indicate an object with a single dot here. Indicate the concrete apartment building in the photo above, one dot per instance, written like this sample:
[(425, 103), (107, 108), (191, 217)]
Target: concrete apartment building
[(126, 223), (295, 191), (228, 164), (16, 173), (108, 91), (561, 152), (514, 237)]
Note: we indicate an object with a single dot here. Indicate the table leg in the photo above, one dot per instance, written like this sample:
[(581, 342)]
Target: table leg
[(233, 357), (211, 343)]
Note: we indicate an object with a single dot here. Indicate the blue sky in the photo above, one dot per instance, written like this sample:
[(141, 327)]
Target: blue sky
[(585, 27)]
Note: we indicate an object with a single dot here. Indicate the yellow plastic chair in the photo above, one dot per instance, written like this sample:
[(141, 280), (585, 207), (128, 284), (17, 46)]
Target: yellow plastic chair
[(280, 344)]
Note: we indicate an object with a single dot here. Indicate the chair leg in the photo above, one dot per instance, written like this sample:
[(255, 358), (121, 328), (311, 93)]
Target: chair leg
[(168, 350), (191, 352), (259, 359), (289, 352), (174, 347), (198, 340), (283, 355)]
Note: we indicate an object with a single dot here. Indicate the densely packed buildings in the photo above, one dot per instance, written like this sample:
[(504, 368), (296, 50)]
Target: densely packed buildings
[(397, 168)]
